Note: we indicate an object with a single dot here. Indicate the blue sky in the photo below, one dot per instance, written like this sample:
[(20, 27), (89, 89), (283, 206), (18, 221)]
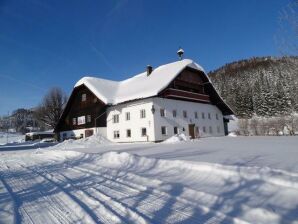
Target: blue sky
[(54, 43)]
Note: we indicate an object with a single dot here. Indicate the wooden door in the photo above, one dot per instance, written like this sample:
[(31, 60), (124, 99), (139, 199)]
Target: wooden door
[(191, 129), (88, 133)]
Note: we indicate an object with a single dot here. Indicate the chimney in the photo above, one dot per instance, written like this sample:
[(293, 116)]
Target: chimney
[(180, 53), (149, 69)]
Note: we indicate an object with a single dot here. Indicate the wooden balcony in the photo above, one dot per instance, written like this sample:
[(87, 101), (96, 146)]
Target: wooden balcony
[(185, 95)]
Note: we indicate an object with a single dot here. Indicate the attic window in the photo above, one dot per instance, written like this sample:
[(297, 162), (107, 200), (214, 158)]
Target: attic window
[(84, 97)]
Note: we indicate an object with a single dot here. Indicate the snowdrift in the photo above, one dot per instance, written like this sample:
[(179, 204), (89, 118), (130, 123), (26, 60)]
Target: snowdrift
[(60, 186), (177, 138), (92, 141)]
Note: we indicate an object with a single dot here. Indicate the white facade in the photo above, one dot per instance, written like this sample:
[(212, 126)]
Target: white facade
[(135, 124), (206, 118)]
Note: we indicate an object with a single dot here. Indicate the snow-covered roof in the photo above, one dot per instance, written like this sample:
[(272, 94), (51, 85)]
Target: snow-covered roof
[(139, 86)]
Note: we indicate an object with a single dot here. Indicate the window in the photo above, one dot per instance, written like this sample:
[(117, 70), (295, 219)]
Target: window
[(74, 121), (203, 115), (128, 133), (142, 113), (175, 130), (218, 129), (116, 134), (88, 118), (216, 115), (84, 97), (81, 120), (162, 112), (204, 129), (185, 114), (196, 115), (116, 118), (174, 113), (127, 116), (143, 132), (163, 130), (81, 135), (209, 116), (210, 130)]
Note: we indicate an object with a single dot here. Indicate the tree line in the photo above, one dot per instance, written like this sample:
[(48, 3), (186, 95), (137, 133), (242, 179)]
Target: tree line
[(259, 90), (43, 117)]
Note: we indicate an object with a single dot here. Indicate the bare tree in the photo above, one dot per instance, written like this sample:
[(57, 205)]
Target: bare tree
[(51, 107)]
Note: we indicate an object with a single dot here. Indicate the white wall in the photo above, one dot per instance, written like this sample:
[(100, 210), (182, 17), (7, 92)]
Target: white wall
[(154, 122), (134, 124), (170, 122), (77, 133)]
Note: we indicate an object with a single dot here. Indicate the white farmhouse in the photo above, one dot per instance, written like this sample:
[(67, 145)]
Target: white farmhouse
[(152, 106)]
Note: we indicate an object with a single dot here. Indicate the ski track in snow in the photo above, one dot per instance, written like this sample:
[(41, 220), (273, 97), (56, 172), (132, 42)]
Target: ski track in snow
[(71, 187)]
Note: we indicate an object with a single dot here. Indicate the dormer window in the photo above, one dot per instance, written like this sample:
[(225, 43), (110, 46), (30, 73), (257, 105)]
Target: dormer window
[(84, 97)]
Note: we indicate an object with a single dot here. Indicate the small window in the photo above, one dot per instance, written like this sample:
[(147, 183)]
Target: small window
[(81, 120), (81, 135), (116, 134), (218, 129), (210, 130), (196, 115), (175, 130), (88, 118), (174, 113), (216, 115), (163, 130), (183, 129), (203, 115), (209, 116), (185, 114), (74, 121), (116, 118), (127, 116), (128, 133), (94, 100), (84, 97), (142, 113), (162, 112), (204, 129), (143, 132)]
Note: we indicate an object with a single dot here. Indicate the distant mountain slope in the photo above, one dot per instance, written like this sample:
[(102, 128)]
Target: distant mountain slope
[(264, 86)]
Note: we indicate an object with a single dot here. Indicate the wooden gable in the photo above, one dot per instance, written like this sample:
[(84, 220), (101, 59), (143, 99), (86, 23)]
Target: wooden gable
[(193, 85), (82, 102)]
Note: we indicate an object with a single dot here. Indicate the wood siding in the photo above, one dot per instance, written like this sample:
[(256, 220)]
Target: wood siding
[(76, 107), (188, 86), (192, 85)]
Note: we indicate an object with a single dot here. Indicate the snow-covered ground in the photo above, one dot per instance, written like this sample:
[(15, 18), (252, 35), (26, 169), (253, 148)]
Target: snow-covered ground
[(11, 138), (214, 180)]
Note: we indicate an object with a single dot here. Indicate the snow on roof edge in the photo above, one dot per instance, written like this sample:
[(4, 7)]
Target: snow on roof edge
[(113, 92)]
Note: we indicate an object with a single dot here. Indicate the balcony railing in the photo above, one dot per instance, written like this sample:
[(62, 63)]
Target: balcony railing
[(182, 94)]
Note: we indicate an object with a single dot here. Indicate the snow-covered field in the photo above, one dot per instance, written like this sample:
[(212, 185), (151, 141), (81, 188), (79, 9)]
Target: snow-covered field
[(10, 138), (214, 180)]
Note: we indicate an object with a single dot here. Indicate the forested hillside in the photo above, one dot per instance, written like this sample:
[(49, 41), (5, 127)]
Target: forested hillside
[(262, 87)]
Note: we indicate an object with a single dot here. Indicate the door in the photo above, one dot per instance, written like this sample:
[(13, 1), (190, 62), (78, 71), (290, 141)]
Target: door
[(88, 133), (191, 129)]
